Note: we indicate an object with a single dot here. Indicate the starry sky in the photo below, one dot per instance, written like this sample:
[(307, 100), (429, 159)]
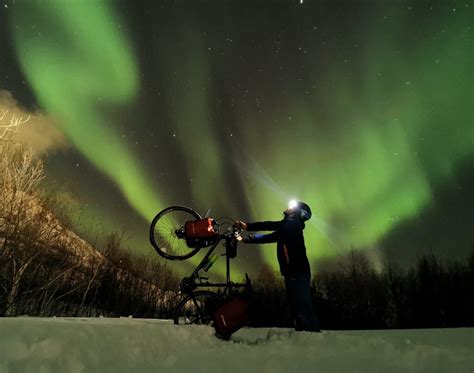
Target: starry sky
[(362, 109)]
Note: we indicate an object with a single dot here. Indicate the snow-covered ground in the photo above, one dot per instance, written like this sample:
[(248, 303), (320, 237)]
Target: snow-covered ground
[(138, 345)]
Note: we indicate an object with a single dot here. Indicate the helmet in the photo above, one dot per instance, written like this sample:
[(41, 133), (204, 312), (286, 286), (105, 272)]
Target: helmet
[(303, 211)]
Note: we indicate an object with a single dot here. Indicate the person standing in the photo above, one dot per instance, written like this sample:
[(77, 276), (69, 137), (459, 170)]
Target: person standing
[(294, 264)]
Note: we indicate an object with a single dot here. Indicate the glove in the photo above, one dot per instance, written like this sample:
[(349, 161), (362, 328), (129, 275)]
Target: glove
[(248, 239)]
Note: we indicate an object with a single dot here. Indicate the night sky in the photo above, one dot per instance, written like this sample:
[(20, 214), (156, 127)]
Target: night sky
[(362, 109)]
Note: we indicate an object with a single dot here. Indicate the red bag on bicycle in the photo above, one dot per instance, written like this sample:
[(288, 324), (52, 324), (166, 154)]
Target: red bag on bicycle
[(231, 316), (203, 228)]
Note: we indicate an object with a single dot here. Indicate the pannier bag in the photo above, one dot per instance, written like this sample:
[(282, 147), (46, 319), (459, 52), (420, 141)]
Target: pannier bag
[(203, 228), (231, 316)]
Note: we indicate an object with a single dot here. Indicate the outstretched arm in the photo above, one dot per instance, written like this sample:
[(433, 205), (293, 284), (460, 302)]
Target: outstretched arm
[(262, 238), (264, 226)]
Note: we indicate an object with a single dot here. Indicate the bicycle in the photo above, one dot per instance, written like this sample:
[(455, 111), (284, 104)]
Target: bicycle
[(178, 233)]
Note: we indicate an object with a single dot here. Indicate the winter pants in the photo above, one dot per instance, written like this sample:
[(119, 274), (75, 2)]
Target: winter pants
[(299, 298)]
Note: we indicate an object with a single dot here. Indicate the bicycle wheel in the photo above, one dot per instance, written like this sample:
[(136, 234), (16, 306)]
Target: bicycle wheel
[(197, 308), (167, 233)]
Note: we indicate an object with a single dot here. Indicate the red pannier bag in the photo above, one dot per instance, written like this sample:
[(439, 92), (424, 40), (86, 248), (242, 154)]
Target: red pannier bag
[(203, 228), (231, 316)]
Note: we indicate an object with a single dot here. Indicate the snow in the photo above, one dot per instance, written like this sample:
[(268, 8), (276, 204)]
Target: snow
[(143, 345)]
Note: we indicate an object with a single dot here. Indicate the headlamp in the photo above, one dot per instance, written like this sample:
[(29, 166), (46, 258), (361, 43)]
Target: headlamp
[(292, 204)]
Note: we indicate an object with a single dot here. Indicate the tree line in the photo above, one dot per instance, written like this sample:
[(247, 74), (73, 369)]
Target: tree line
[(434, 292)]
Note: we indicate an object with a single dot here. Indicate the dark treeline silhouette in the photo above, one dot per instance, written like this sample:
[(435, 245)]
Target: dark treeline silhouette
[(47, 281), (434, 292)]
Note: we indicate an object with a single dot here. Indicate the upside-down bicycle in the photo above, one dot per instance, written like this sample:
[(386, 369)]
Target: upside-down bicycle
[(178, 233)]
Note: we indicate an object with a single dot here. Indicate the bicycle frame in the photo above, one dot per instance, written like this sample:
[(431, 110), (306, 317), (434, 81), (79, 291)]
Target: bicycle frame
[(188, 284)]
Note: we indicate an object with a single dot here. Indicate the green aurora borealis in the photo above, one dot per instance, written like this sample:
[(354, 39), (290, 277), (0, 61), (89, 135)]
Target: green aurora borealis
[(77, 62), (360, 109)]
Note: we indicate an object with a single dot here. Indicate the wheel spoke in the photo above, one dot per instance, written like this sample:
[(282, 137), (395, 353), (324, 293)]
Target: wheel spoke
[(163, 234), (197, 308)]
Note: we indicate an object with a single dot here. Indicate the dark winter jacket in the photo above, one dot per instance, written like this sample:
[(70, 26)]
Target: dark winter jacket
[(291, 251)]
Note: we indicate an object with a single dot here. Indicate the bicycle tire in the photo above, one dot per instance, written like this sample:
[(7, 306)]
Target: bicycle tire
[(197, 308), (163, 235)]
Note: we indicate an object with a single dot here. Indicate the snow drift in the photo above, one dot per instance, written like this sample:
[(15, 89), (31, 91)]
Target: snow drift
[(141, 345)]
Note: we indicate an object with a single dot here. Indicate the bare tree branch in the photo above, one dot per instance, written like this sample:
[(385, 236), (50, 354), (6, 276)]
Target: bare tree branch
[(10, 126)]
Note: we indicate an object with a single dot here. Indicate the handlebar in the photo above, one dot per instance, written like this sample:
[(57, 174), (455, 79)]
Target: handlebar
[(233, 230)]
